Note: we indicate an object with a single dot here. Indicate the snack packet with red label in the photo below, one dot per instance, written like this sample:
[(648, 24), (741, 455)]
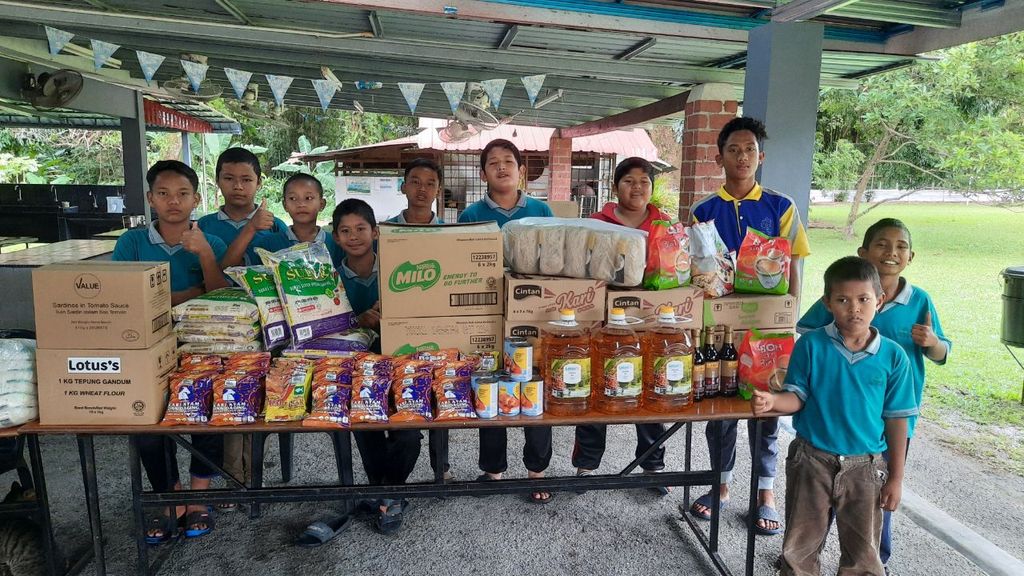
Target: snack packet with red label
[(763, 264), (668, 256), (764, 359)]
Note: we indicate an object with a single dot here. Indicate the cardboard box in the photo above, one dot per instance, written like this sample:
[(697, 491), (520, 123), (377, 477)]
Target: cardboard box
[(105, 387), (745, 311), (737, 335), (531, 331), (102, 305), (467, 333), (644, 304), (540, 298), (449, 270)]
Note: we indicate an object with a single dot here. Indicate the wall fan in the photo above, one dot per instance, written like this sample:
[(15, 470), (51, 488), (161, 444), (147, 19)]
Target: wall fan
[(52, 90), (471, 116), (456, 131), (250, 107)]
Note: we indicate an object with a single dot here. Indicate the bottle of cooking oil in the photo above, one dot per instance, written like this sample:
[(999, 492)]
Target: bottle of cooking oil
[(616, 356), (565, 353), (668, 364)]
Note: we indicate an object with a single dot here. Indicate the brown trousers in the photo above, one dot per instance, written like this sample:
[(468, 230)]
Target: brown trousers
[(818, 482), (237, 451)]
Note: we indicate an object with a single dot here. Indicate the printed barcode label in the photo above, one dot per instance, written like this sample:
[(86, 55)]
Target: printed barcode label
[(304, 333), (473, 299), (276, 332), (161, 321)]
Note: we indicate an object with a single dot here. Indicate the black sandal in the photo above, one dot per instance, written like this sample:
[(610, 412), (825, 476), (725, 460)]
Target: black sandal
[(193, 519), (389, 521), (165, 526)]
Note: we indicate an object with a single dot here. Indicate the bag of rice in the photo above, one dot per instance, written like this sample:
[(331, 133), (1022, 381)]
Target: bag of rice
[(191, 398), (233, 330), (221, 348), (344, 344), (18, 415), (314, 298), (258, 281), (237, 397), (288, 387), (220, 305), (12, 349)]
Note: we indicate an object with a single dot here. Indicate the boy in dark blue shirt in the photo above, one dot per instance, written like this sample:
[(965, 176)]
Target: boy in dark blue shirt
[(851, 391)]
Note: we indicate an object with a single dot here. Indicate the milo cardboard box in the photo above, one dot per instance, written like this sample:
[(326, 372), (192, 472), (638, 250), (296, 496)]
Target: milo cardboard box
[(445, 270), (400, 336)]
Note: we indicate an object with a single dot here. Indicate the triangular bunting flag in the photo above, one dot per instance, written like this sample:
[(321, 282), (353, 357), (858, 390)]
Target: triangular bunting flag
[(325, 90), (454, 92), (58, 39), (196, 73), (532, 85), (101, 52), (494, 89), (239, 79), (149, 63), (412, 92), (279, 86)]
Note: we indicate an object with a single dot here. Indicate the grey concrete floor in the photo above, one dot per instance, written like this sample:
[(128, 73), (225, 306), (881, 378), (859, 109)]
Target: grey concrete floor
[(620, 532)]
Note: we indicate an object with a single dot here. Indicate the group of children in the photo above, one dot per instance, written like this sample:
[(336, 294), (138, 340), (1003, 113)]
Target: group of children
[(855, 378)]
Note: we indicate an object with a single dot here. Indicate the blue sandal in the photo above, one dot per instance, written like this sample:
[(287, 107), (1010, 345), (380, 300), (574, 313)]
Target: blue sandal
[(768, 514), (705, 501), (194, 519)]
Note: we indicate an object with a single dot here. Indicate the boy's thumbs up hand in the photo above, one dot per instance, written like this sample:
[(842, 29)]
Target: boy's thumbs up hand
[(922, 333), (194, 240), (263, 219)]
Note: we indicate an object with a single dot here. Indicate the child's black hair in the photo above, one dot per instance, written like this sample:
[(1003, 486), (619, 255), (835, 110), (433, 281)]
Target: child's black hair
[(742, 123), (238, 155), (627, 165), (424, 163), (353, 206), (172, 166), (301, 177), (500, 143), (851, 269), (874, 229)]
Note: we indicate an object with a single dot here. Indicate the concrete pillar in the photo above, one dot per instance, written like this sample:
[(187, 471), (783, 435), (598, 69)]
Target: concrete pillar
[(708, 108), (781, 90), (133, 143), (559, 168)]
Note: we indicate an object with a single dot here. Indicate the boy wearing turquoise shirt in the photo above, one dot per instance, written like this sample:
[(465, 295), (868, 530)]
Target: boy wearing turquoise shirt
[(851, 391), (908, 317), (421, 184), (502, 168)]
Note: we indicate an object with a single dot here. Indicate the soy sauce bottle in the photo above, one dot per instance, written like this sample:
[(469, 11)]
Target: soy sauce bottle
[(729, 358), (712, 367), (698, 368)]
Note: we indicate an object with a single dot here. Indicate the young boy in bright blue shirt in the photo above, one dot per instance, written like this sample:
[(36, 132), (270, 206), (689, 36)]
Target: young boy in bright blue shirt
[(502, 168), (908, 317), (421, 184), (194, 259), (239, 177), (303, 199), (851, 391)]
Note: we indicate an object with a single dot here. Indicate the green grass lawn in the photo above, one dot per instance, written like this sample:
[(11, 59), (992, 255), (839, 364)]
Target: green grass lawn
[(959, 253)]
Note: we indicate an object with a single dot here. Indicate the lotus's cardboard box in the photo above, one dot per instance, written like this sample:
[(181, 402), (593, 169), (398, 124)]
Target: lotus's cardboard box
[(104, 387), (540, 298), (102, 305), (744, 311), (644, 304), (469, 334), (446, 270), (532, 330)]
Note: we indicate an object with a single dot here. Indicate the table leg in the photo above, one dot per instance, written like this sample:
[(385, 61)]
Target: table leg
[(752, 504), (439, 439), (687, 465), (716, 495), (138, 513), (42, 499), (258, 441), (342, 441), (87, 455), (286, 442)]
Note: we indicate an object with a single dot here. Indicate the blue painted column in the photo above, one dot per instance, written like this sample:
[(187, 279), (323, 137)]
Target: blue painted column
[(781, 90)]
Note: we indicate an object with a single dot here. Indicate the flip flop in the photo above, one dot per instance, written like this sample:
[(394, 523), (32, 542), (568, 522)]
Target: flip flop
[(197, 518), (166, 524), (539, 498), (769, 514), (319, 533), (583, 474), (661, 490), (705, 501), (390, 521)]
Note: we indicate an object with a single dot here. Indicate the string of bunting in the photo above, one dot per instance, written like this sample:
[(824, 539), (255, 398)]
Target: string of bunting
[(196, 73)]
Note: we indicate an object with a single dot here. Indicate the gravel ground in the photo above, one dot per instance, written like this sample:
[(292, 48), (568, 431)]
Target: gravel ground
[(607, 532)]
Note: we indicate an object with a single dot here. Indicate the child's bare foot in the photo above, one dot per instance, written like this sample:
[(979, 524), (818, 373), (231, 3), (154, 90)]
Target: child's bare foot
[(539, 497)]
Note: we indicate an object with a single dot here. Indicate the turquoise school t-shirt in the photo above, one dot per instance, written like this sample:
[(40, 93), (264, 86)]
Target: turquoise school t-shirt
[(847, 396), (485, 210), (146, 245), (362, 293), (222, 226), (274, 241), (895, 321)]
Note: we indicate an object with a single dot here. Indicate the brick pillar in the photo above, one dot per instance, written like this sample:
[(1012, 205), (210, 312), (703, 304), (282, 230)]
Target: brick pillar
[(560, 168), (708, 108)]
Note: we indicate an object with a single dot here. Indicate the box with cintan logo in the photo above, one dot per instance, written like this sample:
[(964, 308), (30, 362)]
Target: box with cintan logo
[(102, 305), (541, 298), (446, 270), (687, 301)]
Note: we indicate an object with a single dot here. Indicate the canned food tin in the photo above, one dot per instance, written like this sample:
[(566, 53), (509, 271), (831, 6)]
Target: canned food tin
[(508, 396), (519, 359), (488, 360), (531, 398), (485, 388)]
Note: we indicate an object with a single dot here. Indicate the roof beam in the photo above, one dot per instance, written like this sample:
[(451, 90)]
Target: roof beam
[(638, 49), (806, 9), (652, 111), (976, 23), (375, 24), (509, 37), (101, 5), (234, 11)]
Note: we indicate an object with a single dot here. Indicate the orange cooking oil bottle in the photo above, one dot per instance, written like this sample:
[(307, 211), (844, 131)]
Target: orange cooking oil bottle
[(668, 364), (565, 357), (616, 357)]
